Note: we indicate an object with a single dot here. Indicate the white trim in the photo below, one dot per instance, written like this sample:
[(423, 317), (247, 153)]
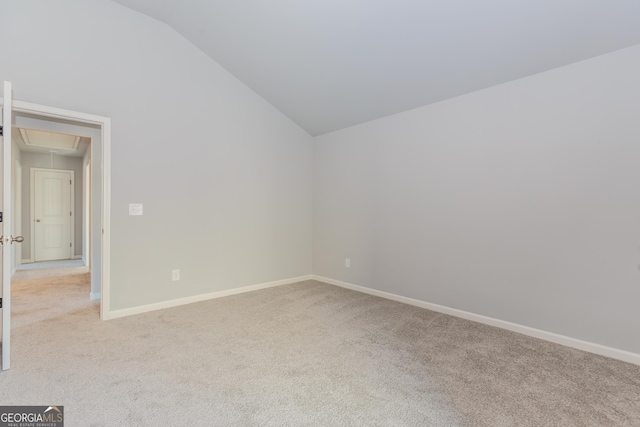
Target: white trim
[(105, 126), (76, 257), (94, 296), (203, 297), (86, 209), (32, 215), (6, 206), (17, 218), (614, 353), (105, 256), (27, 261)]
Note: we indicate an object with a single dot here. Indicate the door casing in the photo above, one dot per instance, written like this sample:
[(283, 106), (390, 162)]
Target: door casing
[(105, 168)]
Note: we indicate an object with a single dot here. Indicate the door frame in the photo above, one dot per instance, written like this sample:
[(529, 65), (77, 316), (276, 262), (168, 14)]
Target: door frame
[(105, 170), (86, 214), (17, 215), (7, 242), (32, 213)]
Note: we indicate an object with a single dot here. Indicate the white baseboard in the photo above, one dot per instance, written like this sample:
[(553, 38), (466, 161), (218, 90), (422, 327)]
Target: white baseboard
[(26, 261), (197, 298), (94, 296), (13, 272), (590, 347), (76, 257)]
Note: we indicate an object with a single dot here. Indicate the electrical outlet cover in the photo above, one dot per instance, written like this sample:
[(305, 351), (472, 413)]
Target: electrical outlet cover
[(135, 208)]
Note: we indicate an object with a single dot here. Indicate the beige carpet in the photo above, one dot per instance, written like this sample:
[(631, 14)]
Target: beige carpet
[(41, 294), (297, 355)]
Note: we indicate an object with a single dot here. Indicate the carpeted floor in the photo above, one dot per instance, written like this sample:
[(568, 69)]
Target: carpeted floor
[(297, 355), (46, 291)]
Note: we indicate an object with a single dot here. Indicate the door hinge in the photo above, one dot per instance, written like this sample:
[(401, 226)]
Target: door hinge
[(70, 213), (0, 302), (1, 131), (0, 216), (69, 182), (69, 244)]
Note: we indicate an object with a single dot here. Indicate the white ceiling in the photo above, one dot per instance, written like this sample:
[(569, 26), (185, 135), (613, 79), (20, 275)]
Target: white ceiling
[(330, 64)]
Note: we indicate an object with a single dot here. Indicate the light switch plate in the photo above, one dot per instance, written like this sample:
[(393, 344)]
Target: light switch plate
[(135, 208)]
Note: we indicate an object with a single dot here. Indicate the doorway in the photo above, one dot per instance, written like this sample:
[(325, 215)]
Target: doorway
[(53, 204), (92, 240), (100, 200)]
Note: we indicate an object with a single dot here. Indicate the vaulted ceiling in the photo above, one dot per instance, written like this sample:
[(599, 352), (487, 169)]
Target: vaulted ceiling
[(330, 64)]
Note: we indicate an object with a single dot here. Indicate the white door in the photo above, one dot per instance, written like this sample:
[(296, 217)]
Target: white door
[(5, 227), (53, 214)]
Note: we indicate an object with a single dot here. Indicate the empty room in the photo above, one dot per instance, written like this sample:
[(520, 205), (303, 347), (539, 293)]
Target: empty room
[(336, 213)]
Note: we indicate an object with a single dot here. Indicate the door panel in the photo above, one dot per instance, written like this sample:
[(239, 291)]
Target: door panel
[(5, 176), (52, 211)]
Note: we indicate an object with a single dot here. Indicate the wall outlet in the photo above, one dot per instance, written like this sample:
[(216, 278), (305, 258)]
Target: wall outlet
[(175, 275), (347, 262)]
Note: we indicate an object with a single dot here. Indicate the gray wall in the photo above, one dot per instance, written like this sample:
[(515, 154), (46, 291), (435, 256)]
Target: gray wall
[(518, 202), (39, 160), (224, 177)]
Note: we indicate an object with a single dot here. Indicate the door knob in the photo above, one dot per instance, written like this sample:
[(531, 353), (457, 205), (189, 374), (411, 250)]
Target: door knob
[(18, 239), (37, 220)]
